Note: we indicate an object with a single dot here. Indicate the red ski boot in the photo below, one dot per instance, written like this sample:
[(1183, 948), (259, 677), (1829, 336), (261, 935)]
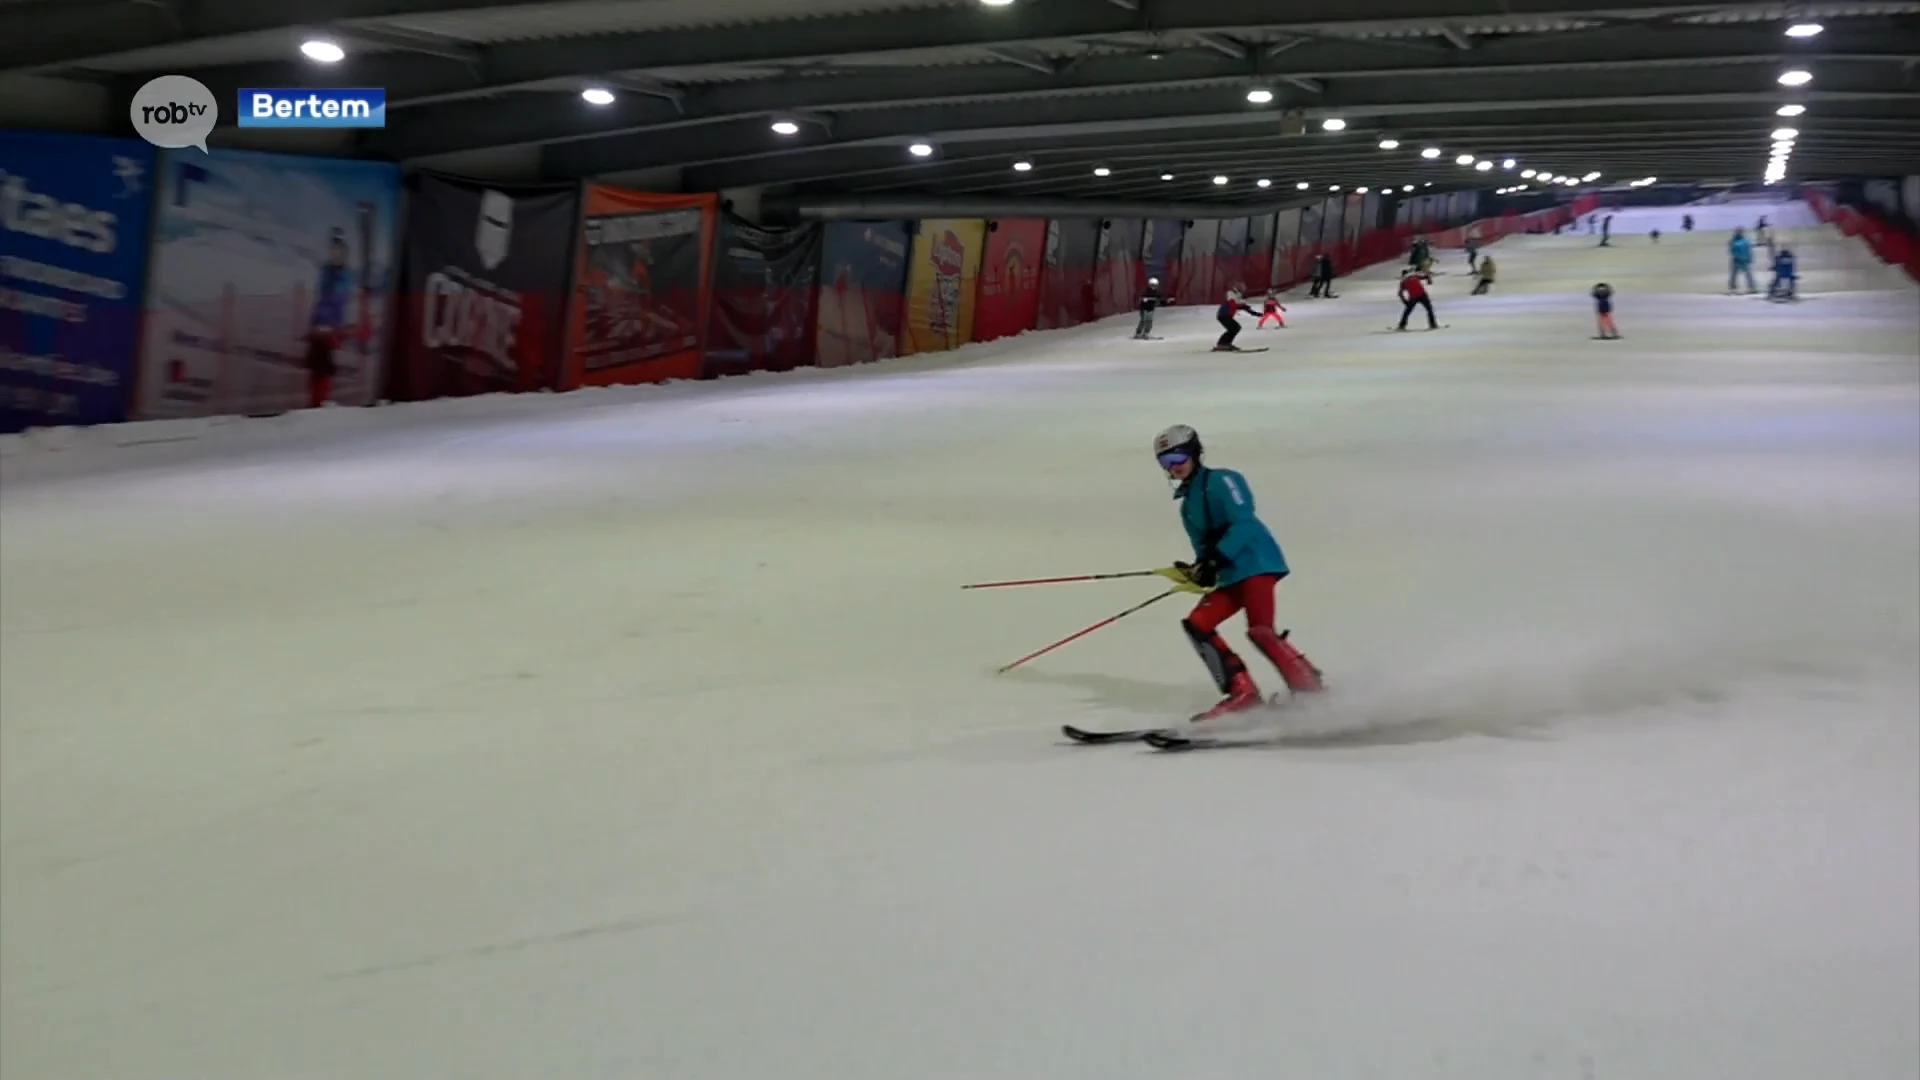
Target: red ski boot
[(1299, 673), (1242, 695)]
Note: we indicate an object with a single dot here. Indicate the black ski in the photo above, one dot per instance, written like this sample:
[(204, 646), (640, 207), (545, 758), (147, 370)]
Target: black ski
[(1262, 348), (1095, 738)]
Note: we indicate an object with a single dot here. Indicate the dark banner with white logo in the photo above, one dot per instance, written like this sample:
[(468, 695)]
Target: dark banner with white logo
[(763, 298), (73, 245), (486, 304)]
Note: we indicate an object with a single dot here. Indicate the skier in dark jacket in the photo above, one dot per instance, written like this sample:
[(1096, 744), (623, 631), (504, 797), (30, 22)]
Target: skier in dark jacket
[(1150, 301)]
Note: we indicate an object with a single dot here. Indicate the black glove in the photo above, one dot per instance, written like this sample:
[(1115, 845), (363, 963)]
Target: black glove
[(1203, 572)]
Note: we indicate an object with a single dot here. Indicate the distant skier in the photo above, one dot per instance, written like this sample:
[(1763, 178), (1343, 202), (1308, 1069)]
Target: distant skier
[(1420, 254), (1655, 235), (1686, 223), (1485, 273), (1271, 309), (1603, 312), (1322, 277), (1236, 563), (1413, 293), (1150, 301), (1785, 283), (1228, 313), (1606, 231), (1473, 253), (327, 323), (1740, 261)]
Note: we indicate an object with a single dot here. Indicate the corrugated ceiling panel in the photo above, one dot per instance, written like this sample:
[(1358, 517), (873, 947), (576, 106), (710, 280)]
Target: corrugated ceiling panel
[(582, 19)]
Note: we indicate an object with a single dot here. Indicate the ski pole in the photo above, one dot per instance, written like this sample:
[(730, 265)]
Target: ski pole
[(1109, 621), (1061, 580)]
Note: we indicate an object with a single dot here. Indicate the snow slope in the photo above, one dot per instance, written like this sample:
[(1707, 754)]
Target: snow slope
[(646, 733)]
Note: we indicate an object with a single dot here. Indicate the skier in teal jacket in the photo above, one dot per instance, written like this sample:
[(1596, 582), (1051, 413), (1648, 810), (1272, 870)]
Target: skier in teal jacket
[(1237, 563)]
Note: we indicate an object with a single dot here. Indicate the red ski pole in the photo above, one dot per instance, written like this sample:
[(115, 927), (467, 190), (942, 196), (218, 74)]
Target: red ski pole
[(1109, 621), (1060, 580)]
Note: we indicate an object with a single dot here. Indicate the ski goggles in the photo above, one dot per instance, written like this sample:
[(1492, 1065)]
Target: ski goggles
[(1173, 457)]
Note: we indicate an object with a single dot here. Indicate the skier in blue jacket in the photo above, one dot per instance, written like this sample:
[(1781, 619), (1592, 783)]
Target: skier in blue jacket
[(1236, 563), (1740, 261)]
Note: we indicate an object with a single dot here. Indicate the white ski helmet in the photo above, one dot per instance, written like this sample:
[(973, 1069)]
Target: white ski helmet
[(1178, 439)]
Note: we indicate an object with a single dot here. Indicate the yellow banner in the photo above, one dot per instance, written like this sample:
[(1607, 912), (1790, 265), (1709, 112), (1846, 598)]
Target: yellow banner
[(942, 274)]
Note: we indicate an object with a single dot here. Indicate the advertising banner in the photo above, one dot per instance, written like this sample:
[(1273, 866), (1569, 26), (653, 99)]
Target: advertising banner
[(1259, 272), (486, 287), (641, 274), (271, 283), (763, 298), (1009, 300), (1066, 285), (1194, 284), (73, 253), (1160, 249), (1230, 257), (863, 273), (943, 270), (1116, 267)]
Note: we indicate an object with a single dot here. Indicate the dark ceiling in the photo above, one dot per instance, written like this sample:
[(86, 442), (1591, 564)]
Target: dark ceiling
[(1141, 88)]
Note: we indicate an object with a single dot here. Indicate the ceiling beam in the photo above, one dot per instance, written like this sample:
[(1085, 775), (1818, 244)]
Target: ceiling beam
[(559, 116), (1208, 107), (47, 36)]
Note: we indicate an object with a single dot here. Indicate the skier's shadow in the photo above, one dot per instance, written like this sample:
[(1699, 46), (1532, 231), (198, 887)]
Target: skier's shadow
[(1158, 701)]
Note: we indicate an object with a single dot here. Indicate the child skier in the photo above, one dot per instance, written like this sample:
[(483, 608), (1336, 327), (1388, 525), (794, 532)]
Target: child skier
[(1784, 283), (1603, 313), (1237, 563), (1485, 274), (1272, 310), (1150, 301), (1231, 307), (1413, 293)]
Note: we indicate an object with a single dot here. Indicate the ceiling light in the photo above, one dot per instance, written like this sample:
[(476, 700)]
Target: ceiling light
[(1427, 184), (1805, 30), (1263, 182), (1508, 164), (1023, 166), (1483, 166), (1359, 191), (1592, 176), (1259, 95), (1571, 182), (1302, 185), (1796, 77), (1463, 159), (921, 149), (1219, 181), (1790, 110), (1651, 180), (996, 3), (1409, 187), (1102, 170), (1430, 153), (785, 127), (1166, 176), (1333, 123), (595, 95), (1389, 144), (1527, 173), (1785, 134), (322, 52)]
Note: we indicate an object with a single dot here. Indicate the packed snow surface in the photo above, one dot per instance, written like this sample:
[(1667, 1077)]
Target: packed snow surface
[(648, 734)]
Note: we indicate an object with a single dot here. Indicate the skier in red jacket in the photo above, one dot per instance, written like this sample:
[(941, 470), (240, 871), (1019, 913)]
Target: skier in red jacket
[(1413, 293)]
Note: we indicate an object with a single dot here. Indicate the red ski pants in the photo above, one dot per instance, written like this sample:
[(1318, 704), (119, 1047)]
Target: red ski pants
[(1255, 597), (1274, 315)]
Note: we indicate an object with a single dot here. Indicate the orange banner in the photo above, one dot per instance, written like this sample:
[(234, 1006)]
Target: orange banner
[(640, 287)]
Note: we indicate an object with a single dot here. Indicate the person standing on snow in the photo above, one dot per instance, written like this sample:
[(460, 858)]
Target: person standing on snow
[(1150, 301), (1740, 261), (1322, 277), (1485, 273), (1230, 308), (1413, 293), (1236, 563), (1271, 310)]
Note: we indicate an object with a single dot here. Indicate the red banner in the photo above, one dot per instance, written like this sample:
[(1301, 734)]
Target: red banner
[(641, 281), (1009, 299)]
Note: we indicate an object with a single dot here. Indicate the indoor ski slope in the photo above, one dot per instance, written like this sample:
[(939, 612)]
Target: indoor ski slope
[(647, 733)]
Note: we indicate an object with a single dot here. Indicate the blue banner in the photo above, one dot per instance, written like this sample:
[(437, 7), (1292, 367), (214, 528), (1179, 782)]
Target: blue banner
[(863, 274), (73, 245), (272, 283)]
